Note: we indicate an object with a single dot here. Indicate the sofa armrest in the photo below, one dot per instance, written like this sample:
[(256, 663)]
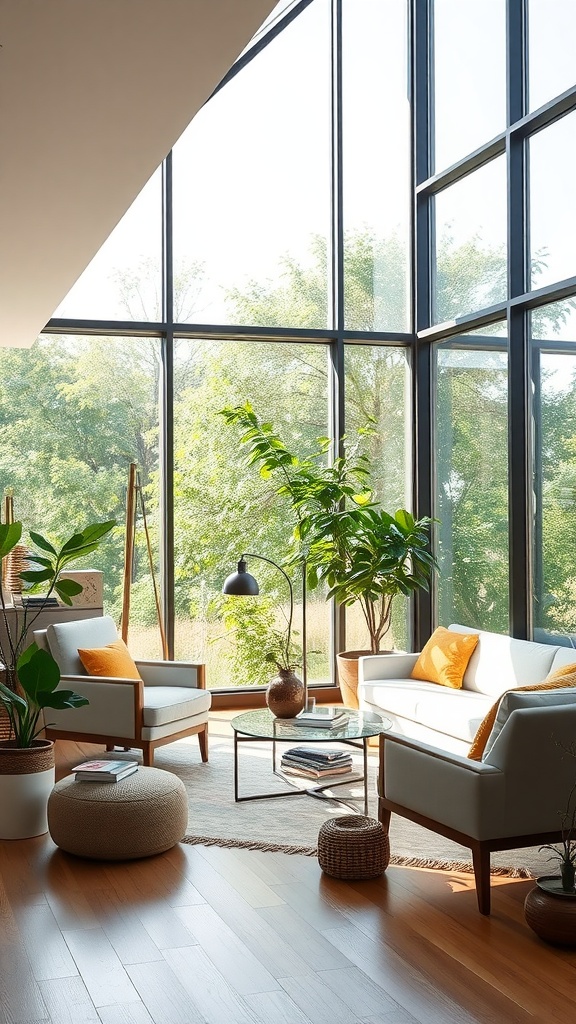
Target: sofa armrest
[(468, 796), (172, 673), (459, 760), (376, 667)]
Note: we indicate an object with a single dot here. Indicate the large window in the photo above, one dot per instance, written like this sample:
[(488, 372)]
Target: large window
[(472, 484), (224, 508), (370, 221), (82, 409)]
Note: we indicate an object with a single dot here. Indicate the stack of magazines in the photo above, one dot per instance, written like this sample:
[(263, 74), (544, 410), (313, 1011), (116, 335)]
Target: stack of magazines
[(315, 763), (104, 771), (321, 718)]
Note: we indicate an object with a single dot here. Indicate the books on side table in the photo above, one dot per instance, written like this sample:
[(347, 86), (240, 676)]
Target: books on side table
[(104, 771), (314, 763), (321, 718)]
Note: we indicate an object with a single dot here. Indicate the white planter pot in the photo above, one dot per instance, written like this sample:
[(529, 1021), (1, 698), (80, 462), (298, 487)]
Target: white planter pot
[(24, 794)]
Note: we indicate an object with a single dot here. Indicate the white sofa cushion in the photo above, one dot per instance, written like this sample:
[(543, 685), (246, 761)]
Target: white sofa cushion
[(564, 656), (455, 713), (501, 662)]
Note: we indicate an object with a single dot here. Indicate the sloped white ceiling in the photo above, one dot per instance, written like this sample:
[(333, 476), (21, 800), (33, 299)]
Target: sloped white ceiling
[(93, 94)]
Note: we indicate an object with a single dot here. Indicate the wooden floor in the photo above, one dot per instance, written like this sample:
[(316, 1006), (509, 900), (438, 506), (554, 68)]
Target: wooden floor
[(226, 937)]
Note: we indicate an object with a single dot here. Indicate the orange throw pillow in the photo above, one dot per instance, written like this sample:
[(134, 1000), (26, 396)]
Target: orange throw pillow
[(445, 657), (559, 680), (113, 660)]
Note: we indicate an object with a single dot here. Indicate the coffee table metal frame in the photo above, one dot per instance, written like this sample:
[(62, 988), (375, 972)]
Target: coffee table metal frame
[(254, 726)]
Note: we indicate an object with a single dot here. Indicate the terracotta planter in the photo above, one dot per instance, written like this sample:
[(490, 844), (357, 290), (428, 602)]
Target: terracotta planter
[(348, 676), (347, 662), (26, 780)]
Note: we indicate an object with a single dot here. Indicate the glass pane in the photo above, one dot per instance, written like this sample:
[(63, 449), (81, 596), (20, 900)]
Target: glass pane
[(224, 508), (378, 392), (551, 32), (376, 120), (470, 243), (552, 154), (469, 76), (123, 281), (472, 485), (252, 189), (95, 411), (554, 593)]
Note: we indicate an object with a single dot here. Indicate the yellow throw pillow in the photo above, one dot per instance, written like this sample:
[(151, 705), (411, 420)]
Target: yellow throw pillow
[(113, 660), (558, 680), (445, 657)]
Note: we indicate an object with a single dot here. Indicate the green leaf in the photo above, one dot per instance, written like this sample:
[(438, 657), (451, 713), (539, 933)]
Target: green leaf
[(38, 673), (70, 587), (10, 534), (41, 542), (61, 699), (36, 575)]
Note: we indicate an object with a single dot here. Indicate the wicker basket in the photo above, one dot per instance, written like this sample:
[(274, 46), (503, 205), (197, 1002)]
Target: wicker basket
[(354, 847)]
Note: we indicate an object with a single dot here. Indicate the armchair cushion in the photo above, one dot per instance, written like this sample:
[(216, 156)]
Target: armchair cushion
[(166, 704), (64, 638), (114, 660), (445, 657)]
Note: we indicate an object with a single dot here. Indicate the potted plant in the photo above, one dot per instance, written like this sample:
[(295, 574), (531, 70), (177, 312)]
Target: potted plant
[(565, 854), (31, 678), (363, 553)]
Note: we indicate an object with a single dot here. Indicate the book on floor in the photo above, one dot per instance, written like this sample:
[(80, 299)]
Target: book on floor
[(104, 771), (321, 718)]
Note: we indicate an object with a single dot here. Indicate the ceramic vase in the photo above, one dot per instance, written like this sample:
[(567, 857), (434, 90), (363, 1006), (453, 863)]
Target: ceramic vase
[(285, 694)]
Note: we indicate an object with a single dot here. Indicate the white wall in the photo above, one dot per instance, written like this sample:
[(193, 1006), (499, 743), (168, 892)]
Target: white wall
[(93, 94)]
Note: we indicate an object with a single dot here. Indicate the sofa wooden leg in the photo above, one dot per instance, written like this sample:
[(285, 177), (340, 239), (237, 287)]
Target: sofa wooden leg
[(384, 816), (110, 746), (148, 755), (203, 741), (481, 862)]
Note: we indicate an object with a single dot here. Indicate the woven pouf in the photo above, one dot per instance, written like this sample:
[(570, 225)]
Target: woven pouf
[(139, 816), (354, 847)]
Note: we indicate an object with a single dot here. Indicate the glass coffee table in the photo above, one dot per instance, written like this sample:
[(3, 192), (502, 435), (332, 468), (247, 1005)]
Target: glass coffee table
[(354, 732)]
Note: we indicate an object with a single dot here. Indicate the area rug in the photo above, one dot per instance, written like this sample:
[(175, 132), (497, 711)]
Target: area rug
[(291, 824)]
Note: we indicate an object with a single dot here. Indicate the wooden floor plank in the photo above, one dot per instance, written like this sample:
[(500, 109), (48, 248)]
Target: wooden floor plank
[(238, 965), (47, 951), (319, 1002), (68, 1001), (276, 1008), (319, 954), (215, 999), (104, 976), (165, 998)]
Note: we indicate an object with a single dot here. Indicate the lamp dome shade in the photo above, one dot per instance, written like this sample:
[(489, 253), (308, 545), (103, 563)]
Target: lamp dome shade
[(241, 583)]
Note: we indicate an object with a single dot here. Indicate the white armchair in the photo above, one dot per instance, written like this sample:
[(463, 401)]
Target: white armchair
[(169, 702), (513, 798)]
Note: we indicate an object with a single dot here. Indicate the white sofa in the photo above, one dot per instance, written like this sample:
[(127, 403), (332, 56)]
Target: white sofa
[(445, 717)]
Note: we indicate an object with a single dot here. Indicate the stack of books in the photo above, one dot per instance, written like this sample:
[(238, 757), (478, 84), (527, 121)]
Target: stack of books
[(315, 763), (321, 718), (104, 771), (35, 601)]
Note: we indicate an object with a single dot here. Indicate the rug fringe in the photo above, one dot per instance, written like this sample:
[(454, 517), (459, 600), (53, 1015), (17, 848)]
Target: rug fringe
[(248, 844), (430, 863), (463, 866)]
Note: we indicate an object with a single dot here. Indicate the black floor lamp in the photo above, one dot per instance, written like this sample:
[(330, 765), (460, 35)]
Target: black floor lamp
[(242, 584)]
